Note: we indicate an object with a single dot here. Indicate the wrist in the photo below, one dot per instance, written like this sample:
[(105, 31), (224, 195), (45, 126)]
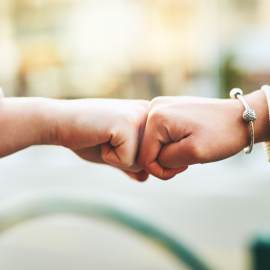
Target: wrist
[(39, 116), (45, 116), (257, 102), (25, 122)]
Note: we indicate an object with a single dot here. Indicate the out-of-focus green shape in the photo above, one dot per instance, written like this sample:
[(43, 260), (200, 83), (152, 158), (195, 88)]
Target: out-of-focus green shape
[(27, 207), (260, 249)]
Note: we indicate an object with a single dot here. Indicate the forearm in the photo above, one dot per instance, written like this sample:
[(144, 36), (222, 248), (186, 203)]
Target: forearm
[(25, 122)]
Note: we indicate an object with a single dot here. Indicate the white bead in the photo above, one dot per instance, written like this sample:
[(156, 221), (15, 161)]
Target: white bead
[(236, 91)]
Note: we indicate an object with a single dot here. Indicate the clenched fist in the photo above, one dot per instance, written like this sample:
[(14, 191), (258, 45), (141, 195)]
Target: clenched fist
[(98, 130), (182, 131), (104, 131)]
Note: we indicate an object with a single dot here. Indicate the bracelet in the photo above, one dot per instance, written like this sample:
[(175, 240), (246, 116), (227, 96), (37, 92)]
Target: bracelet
[(266, 89), (248, 116)]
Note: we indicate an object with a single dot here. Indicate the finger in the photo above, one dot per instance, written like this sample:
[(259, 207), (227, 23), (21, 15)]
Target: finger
[(162, 172), (179, 154), (141, 176), (92, 154), (121, 151), (151, 145)]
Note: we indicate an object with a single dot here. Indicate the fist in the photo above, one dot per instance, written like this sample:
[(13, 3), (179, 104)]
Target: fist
[(104, 131), (182, 131)]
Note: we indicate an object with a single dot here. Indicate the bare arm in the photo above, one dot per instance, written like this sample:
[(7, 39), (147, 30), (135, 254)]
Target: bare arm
[(25, 122), (98, 130)]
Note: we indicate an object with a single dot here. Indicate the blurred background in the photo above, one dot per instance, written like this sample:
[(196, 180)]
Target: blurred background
[(134, 49)]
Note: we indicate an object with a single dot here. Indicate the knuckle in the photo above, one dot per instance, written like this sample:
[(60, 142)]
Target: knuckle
[(155, 101), (160, 101), (130, 123), (195, 151), (157, 115), (127, 163), (135, 168), (116, 160), (144, 103)]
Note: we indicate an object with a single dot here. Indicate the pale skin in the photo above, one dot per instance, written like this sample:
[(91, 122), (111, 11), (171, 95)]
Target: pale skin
[(181, 131), (162, 138), (97, 130)]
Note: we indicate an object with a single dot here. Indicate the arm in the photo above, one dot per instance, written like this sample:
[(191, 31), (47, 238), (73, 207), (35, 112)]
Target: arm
[(182, 131), (98, 130), (25, 122)]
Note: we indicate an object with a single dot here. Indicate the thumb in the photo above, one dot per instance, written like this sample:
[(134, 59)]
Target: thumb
[(179, 154), (122, 149)]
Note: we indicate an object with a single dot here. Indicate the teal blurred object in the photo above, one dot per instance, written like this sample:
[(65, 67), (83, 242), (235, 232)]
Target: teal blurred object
[(260, 250), (28, 207)]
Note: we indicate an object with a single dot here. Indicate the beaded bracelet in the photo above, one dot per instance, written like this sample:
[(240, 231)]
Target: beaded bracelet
[(266, 89)]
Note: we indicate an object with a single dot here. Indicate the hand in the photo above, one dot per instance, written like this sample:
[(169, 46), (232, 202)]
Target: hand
[(104, 131), (182, 131)]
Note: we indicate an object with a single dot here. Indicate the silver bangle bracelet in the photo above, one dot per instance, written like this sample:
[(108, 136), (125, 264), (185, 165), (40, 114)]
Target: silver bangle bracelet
[(249, 115)]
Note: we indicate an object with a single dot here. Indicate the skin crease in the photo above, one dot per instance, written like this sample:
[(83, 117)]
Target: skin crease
[(97, 130), (182, 131)]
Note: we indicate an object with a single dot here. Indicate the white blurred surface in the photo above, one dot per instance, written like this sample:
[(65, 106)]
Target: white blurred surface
[(215, 207)]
